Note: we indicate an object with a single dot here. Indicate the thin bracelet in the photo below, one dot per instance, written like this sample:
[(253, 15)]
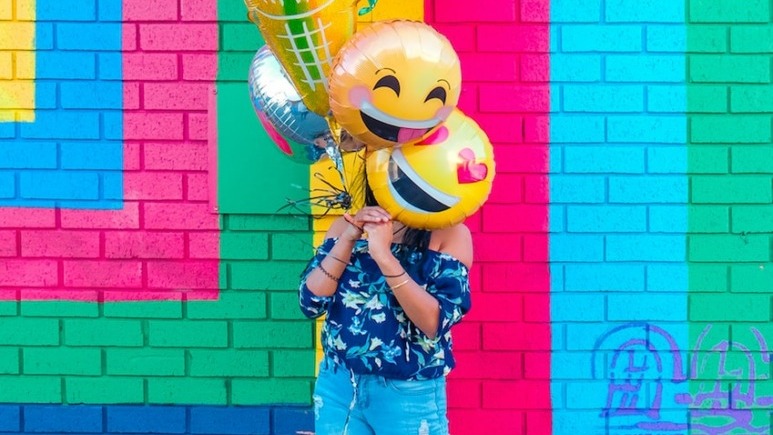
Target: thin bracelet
[(395, 287), (327, 274), (395, 276), (362, 230), (338, 259)]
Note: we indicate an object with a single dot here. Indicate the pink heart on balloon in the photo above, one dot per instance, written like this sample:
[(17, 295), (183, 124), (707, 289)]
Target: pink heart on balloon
[(467, 171), (438, 136)]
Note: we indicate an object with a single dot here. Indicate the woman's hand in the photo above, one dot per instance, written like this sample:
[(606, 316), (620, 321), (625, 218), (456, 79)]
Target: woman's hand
[(352, 231), (366, 215), (380, 241)]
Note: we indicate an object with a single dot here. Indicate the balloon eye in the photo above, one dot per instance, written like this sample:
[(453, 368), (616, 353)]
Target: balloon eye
[(390, 82), (438, 93)]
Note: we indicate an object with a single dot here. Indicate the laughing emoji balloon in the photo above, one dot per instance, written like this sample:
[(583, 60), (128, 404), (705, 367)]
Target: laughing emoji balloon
[(394, 82), (436, 182)]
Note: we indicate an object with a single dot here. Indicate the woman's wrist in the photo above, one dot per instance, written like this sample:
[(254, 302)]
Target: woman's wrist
[(352, 236), (353, 232), (389, 265), (347, 239)]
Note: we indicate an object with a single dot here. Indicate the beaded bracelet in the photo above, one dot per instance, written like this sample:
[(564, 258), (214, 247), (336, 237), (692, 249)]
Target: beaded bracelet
[(395, 287), (327, 274), (395, 276)]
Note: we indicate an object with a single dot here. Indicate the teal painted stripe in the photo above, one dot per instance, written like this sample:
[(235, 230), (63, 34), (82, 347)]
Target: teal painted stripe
[(730, 161), (619, 193)]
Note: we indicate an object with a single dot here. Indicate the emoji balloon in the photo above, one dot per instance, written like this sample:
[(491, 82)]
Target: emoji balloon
[(305, 36), (394, 82), (438, 181)]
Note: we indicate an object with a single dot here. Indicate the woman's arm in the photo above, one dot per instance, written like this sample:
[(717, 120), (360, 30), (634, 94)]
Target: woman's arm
[(420, 306), (323, 280)]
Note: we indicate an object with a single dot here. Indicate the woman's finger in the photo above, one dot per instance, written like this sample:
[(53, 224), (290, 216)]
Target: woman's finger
[(374, 214), (380, 211), (352, 221)]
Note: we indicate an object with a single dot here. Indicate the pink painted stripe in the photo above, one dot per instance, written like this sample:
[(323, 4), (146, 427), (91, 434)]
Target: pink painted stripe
[(170, 101), (212, 143), (510, 321), (139, 252)]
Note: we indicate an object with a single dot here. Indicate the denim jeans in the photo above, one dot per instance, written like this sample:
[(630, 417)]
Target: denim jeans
[(349, 404)]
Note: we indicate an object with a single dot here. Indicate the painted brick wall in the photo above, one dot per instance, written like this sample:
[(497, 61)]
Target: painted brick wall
[(107, 183), (623, 263), (729, 218), (125, 312), (618, 196), (62, 121), (660, 193)]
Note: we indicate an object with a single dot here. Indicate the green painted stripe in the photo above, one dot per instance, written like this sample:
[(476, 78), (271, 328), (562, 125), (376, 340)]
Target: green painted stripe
[(730, 163), (253, 175), (262, 251)]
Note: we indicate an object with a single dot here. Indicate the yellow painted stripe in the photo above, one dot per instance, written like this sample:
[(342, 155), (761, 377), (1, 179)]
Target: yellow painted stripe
[(6, 10), (384, 10), (393, 10), (17, 60)]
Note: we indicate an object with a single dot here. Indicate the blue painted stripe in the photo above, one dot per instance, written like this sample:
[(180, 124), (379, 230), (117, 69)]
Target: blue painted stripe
[(618, 215), (173, 419), (71, 155)]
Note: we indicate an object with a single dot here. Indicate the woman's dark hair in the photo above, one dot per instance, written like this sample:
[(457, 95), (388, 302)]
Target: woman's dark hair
[(414, 238)]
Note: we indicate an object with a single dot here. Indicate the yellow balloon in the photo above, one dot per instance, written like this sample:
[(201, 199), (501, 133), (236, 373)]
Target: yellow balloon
[(393, 82), (305, 36), (436, 182)]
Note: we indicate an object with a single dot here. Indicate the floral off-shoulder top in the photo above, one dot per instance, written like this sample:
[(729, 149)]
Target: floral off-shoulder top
[(368, 332)]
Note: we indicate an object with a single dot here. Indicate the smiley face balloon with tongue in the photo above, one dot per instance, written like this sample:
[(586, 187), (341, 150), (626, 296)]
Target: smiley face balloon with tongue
[(394, 82)]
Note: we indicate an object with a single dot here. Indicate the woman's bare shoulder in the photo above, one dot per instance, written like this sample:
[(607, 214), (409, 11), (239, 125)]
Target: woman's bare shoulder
[(456, 241)]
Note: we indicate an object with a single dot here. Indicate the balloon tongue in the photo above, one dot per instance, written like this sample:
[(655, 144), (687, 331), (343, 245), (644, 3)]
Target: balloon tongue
[(408, 134)]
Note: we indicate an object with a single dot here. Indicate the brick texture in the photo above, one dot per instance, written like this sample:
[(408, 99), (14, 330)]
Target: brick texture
[(95, 61), (628, 232), (730, 113), (618, 195), (660, 206)]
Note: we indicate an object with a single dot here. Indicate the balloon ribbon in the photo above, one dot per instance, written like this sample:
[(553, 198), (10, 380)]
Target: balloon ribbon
[(367, 9)]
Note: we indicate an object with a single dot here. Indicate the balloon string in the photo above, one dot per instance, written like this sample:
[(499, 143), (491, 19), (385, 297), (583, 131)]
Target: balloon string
[(334, 152), (368, 9)]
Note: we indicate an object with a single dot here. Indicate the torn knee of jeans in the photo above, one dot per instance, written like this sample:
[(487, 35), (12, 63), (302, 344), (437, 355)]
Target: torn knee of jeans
[(424, 428), (317, 406)]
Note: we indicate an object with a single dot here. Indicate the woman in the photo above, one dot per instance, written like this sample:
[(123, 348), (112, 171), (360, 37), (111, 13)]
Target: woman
[(391, 295)]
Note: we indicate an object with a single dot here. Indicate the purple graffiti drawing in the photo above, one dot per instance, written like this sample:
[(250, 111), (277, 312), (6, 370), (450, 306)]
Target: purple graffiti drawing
[(643, 366), (726, 375), (641, 357)]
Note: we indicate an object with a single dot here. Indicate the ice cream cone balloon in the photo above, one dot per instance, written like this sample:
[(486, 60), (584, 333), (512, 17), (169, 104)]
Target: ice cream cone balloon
[(305, 36)]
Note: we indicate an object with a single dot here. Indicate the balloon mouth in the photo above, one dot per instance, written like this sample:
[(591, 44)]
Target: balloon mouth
[(388, 127), (390, 132), (412, 192)]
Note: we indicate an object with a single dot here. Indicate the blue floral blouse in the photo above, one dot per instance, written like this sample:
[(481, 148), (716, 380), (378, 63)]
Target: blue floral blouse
[(367, 331)]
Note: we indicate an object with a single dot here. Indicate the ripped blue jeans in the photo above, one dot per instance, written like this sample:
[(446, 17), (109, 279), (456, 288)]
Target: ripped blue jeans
[(350, 404)]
